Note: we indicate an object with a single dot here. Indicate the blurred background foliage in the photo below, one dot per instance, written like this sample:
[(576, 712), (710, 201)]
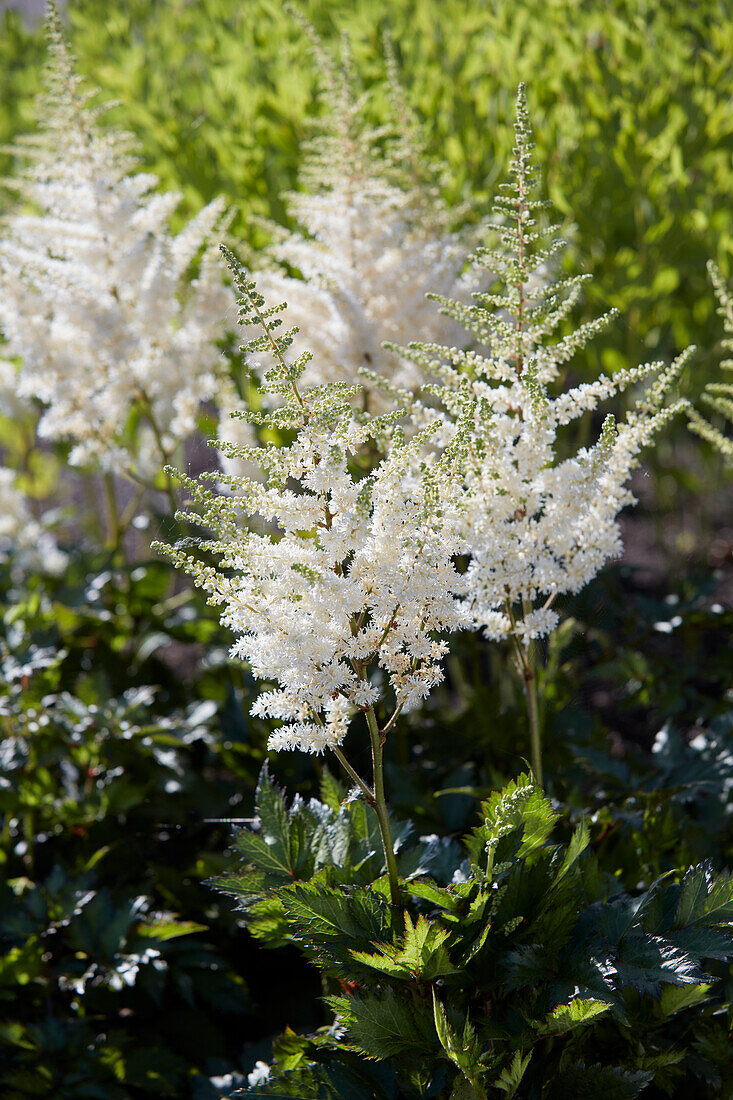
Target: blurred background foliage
[(126, 735), (125, 739), (630, 104)]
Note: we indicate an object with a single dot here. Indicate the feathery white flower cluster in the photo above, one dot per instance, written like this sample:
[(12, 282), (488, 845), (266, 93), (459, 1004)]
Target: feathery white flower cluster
[(376, 238), (95, 297), (342, 593), (536, 524), (345, 585), (718, 396), (24, 539)]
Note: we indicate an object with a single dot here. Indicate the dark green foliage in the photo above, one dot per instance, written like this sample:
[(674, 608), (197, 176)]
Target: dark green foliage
[(118, 976), (529, 972), (321, 843), (66, 941), (581, 1079)]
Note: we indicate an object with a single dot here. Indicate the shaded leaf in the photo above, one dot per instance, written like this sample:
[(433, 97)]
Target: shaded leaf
[(385, 1026), (566, 1018)]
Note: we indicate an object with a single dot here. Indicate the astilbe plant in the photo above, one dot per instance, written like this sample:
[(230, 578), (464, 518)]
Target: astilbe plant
[(537, 525), (96, 300), (341, 594), (346, 586), (514, 966)]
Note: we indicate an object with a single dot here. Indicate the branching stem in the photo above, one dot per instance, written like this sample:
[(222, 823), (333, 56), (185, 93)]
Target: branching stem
[(353, 774), (380, 806)]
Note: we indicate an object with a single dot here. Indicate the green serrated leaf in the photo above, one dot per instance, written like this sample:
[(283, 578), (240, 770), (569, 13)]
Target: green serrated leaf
[(676, 998), (331, 923), (424, 951), (270, 807), (429, 890), (267, 921), (271, 858), (566, 1018), (385, 1026), (463, 1050), (383, 963), (693, 895), (422, 954), (645, 961), (578, 843), (718, 905), (511, 1076)]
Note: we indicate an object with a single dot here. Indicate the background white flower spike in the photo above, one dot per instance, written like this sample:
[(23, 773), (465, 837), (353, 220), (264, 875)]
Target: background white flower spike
[(115, 337)]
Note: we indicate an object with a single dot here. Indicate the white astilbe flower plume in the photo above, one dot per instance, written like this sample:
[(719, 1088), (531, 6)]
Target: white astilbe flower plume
[(26, 541), (536, 524), (374, 238), (95, 296), (341, 594)]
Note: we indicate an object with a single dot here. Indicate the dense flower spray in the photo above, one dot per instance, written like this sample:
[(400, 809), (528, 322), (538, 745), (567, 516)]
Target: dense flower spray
[(341, 587), (536, 524), (96, 301), (374, 238), (344, 574)]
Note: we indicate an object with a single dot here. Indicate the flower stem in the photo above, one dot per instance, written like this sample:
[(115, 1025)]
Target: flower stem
[(353, 774), (530, 694), (380, 806), (164, 455), (114, 531), (527, 670)]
